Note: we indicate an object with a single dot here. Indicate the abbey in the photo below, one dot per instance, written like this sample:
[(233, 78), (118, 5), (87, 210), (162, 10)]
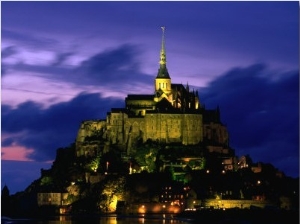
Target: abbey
[(171, 114)]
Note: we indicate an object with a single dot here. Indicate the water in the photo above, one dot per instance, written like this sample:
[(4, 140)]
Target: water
[(235, 217), (142, 219)]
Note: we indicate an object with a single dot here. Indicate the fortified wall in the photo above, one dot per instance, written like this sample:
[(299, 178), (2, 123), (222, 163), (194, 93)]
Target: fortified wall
[(126, 131)]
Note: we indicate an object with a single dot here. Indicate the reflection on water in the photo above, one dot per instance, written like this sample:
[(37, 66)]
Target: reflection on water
[(142, 219)]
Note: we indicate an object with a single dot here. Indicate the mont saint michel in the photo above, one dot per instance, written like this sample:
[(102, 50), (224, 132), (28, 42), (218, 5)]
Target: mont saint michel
[(173, 114), (164, 152)]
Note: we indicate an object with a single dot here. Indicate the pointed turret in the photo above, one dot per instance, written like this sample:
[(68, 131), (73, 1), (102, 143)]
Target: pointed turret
[(163, 80), (163, 71)]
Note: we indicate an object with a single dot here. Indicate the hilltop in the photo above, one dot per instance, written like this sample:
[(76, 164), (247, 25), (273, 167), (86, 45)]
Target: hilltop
[(163, 152)]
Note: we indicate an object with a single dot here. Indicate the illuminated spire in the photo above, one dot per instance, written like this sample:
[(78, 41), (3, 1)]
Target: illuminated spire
[(163, 50), (163, 72)]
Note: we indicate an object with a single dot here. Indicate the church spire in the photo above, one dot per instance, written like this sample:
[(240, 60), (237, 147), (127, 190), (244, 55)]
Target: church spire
[(163, 60), (163, 71)]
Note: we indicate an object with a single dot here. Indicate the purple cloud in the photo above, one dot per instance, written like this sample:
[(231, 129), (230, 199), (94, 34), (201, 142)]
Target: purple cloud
[(262, 114), (45, 130)]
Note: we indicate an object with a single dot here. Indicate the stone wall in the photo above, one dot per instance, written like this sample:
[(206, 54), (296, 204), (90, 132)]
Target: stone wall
[(216, 132), (89, 129), (217, 203), (170, 128), (123, 130), (51, 198)]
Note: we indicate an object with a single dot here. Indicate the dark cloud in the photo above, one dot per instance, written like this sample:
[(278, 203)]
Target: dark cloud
[(262, 114), (5, 53), (30, 40), (3, 70), (46, 71), (7, 142), (113, 67), (45, 130), (111, 60), (61, 58), (8, 51)]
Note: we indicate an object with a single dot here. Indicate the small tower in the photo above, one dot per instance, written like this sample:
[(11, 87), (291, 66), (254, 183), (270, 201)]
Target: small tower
[(5, 192), (163, 80)]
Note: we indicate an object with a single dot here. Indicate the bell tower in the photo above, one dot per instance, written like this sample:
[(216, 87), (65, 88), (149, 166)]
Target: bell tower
[(163, 80)]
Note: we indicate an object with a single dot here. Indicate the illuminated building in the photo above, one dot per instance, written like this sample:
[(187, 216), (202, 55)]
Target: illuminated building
[(52, 198), (172, 114)]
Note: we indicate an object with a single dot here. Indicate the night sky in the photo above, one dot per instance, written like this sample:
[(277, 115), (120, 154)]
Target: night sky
[(65, 62)]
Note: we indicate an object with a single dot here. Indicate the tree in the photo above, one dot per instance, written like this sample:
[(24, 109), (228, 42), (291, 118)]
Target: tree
[(5, 192), (113, 189), (6, 202), (94, 164), (146, 156)]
